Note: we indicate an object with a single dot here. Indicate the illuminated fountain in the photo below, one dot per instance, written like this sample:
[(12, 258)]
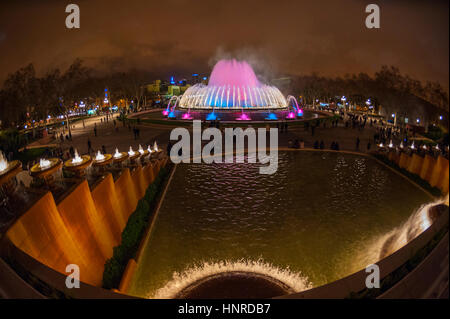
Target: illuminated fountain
[(141, 150), (155, 147), (3, 163), (7, 173), (412, 146), (149, 149), (102, 160), (78, 164), (99, 157), (297, 109), (391, 145), (131, 152), (44, 163), (77, 159), (117, 154), (233, 86)]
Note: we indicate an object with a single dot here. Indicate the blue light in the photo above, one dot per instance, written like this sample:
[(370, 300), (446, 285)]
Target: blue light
[(271, 117), (172, 80), (211, 117), (195, 74), (171, 115), (204, 78)]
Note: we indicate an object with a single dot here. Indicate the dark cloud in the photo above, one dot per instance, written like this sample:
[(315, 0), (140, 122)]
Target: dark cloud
[(180, 36)]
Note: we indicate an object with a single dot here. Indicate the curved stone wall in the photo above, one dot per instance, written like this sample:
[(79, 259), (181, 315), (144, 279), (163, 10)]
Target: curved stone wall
[(85, 226)]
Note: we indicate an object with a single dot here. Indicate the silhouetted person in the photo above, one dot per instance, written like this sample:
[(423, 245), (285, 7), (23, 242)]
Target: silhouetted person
[(89, 146)]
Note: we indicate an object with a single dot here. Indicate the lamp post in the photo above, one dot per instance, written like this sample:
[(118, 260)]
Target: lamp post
[(343, 99)]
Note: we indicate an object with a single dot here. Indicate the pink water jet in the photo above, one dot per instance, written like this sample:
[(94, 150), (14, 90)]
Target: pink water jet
[(233, 72), (165, 112)]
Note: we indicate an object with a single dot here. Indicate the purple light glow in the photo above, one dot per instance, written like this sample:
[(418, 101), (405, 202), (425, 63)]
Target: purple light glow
[(165, 112), (187, 116), (291, 115), (243, 117)]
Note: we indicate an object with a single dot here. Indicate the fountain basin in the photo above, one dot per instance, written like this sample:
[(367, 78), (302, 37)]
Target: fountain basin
[(235, 285)]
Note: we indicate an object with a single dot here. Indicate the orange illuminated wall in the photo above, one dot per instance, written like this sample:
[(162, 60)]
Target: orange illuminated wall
[(85, 226), (107, 204), (42, 233), (126, 193), (139, 182)]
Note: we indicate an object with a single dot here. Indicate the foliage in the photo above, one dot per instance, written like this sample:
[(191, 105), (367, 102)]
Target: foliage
[(11, 141), (132, 234)]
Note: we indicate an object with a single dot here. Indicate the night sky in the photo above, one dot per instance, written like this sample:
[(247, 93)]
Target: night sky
[(180, 37)]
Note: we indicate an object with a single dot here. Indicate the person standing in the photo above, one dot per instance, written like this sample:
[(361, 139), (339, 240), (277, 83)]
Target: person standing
[(89, 146)]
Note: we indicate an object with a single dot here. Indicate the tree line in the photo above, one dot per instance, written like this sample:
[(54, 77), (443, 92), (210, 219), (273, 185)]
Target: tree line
[(388, 88), (25, 96)]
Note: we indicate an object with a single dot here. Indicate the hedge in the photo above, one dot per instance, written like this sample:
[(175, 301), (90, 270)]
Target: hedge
[(132, 234)]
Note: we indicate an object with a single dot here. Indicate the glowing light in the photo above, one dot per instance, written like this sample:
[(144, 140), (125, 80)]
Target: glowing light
[(390, 144), (243, 117), (440, 117), (165, 112), (131, 152), (211, 117), (418, 120), (117, 154), (141, 150), (291, 115), (300, 113), (77, 159), (272, 117), (401, 144), (412, 145), (171, 115), (149, 149), (3, 162), (155, 147), (380, 145), (437, 147), (43, 163), (187, 116), (99, 157), (424, 147)]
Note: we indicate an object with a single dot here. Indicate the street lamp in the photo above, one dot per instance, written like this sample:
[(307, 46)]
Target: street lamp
[(343, 99)]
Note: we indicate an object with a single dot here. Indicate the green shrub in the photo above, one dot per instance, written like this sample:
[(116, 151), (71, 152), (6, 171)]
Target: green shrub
[(132, 234), (112, 274)]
